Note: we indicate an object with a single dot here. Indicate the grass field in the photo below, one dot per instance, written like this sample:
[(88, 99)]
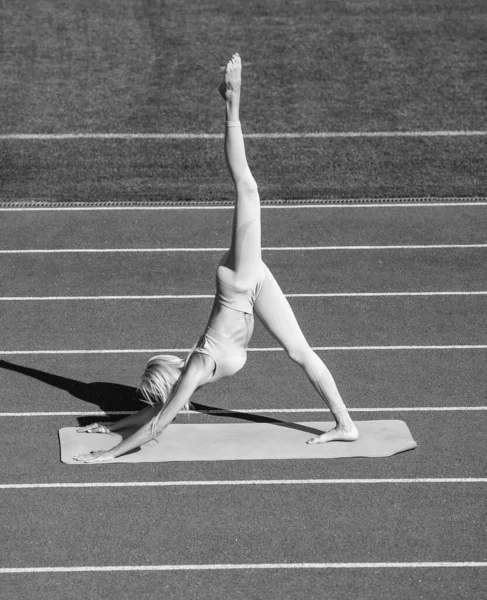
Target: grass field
[(311, 66), (149, 66)]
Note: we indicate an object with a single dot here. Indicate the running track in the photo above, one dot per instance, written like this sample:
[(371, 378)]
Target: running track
[(414, 350)]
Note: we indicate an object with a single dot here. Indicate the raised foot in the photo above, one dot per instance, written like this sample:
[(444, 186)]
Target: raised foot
[(337, 434), (232, 79)]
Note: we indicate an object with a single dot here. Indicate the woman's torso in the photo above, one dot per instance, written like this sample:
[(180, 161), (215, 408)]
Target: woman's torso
[(231, 321), (235, 325), (232, 312)]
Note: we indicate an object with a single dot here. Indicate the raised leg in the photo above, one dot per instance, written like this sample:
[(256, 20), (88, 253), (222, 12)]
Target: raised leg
[(244, 256), (277, 316)]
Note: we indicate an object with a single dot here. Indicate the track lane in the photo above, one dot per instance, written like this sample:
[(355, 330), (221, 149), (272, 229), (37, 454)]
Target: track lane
[(235, 524), (173, 324), (298, 272), (366, 379), (400, 584), (449, 445)]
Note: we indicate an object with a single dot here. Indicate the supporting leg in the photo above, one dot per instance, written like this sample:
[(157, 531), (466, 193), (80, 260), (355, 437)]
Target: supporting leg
[(277, 316)]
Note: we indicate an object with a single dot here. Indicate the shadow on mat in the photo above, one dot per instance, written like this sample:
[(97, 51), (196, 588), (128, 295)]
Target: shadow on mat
[(232, 414), (115, 397)]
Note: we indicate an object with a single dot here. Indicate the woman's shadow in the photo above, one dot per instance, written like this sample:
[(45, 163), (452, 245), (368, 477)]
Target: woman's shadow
[(115, 397)]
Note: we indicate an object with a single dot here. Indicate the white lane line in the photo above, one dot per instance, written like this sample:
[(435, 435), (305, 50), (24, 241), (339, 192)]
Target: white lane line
[(264, 136), (266, 249), (148, 297), (236, 482), (246, 566), (385, 294), (316, 348), (206, 296), (347, 203), (216, 411)]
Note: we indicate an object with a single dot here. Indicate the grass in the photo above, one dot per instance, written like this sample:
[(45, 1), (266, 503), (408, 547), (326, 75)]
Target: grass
[(310, 65), (142, 170)]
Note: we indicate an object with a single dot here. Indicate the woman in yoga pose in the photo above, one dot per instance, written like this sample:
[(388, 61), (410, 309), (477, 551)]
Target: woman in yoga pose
[(244, 286)]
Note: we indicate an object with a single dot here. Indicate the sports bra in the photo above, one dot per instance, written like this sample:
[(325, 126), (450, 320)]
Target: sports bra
[(228, 357)]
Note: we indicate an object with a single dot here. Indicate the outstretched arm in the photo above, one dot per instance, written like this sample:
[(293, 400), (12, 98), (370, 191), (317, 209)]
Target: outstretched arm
[(196, 374), (137, 419)]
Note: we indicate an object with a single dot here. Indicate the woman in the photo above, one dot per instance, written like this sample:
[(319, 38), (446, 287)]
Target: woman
[(244, 286)]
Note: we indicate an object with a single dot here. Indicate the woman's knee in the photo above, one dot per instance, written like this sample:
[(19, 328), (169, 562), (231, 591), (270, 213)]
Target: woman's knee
[(247, 184), (299, 353)]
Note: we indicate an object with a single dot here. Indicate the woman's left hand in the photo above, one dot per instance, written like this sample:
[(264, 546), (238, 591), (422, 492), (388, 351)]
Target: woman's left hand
[(98, 456)]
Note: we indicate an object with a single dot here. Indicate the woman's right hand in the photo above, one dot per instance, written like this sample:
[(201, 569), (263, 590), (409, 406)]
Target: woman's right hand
[(96, 428)]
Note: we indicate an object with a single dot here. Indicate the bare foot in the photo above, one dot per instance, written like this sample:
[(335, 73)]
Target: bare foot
[(337, 434), (232, 79)]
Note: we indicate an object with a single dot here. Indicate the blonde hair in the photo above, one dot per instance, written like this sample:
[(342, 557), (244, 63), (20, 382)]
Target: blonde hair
[(159, 380)]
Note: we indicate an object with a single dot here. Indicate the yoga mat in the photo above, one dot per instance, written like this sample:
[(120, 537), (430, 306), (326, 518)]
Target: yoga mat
[(244, 441)]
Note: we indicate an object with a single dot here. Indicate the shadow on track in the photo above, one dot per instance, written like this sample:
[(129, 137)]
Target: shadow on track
[(117, 397), (107, 396)]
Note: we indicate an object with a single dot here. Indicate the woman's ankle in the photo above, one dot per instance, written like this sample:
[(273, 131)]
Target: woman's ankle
[(343, 419)]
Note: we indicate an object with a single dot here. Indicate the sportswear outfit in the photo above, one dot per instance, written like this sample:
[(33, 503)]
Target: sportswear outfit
[(240, 296)]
